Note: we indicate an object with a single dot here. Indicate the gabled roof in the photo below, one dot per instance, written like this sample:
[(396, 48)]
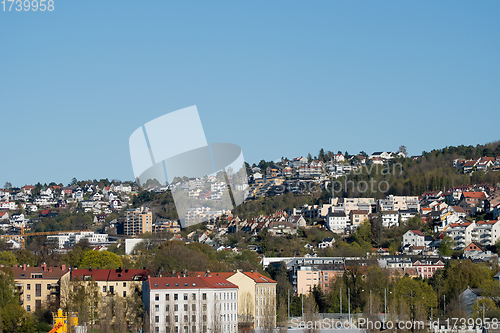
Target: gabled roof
[(474, 195), (110, 274), (417, 232), (22, 272), (259, 278)]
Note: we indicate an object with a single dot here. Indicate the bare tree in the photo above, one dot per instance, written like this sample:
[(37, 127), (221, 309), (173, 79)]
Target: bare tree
[(247, 308), (310, 314), (120, 323)]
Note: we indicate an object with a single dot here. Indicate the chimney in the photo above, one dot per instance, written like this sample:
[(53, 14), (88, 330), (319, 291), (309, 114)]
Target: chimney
[(63, 267), (24, 267), (50, 269), (44, 266)]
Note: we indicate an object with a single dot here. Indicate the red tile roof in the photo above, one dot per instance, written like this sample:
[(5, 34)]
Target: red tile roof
[(418, 232), (111, 274), (189, 283), (474, 195)]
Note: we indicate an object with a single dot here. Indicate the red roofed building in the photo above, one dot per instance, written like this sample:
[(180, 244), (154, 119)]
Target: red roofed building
[(37, 286), (191, 304), (256, 294)]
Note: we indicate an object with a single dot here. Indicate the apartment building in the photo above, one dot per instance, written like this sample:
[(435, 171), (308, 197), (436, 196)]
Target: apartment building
[(461, 233), (191, 304), (39, 286), (486, 232), (138, 221), (110, 282), (322, 275)]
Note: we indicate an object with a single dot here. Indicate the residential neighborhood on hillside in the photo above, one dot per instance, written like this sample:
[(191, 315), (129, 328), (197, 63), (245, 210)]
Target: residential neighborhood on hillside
[(249, 268)]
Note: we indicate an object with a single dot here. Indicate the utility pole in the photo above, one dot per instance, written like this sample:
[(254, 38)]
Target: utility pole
[(340, 302), (302, 306), (444, 305), (385, 304), (370, 301), (288, 304), (349, 304)]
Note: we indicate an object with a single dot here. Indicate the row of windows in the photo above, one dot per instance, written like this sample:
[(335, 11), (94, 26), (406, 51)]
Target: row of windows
[(176, 318), (225, 328), (230, 295), (263, 290), (185, 296)]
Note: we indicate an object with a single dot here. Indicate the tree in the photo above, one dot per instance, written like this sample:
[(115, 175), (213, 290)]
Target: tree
[(7, 258), (8, 185), (402, 149), (482, 307), (101, 260), (446, 246)]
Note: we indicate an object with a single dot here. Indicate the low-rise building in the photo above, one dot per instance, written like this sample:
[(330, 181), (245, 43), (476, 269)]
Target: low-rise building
[(40, 286)]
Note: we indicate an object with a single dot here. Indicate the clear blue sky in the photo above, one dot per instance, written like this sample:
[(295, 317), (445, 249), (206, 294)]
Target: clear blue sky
[(278, 78)]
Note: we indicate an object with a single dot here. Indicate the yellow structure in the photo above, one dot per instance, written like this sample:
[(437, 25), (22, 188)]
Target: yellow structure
[(61, 321)]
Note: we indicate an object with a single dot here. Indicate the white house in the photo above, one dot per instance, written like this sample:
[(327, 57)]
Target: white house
[(207, 304), (337, 221), (413, 238), (10, 205), (390, 218)]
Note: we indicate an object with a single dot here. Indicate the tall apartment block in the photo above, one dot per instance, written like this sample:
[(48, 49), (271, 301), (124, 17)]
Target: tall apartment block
[(138, 221)]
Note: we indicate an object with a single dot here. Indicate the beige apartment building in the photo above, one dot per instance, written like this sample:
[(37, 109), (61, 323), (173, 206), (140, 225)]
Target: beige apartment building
[(39, 286), (322, 275), (111, 282), (138, 221)]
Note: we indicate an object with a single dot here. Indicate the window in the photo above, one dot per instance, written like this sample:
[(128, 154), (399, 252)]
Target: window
[(176, 329), (193, 296), (176, 319), (193, 318), (204, 318), (157, 319), (186, 329), (28, 298), (157, 297), (28, 286), (124, 284), (38, 290), (167, 320), (48, 286), (38, 304), (157, 329), (204, 296), (157, 308), (193, 329), (185, 307), (185, 319), (176, 307), (124, 294), (193, 307), (112, 289), (103, 289), (204, 307), (176, 297), (167, 308), (185, 297), (167, 297), (28, 308)]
